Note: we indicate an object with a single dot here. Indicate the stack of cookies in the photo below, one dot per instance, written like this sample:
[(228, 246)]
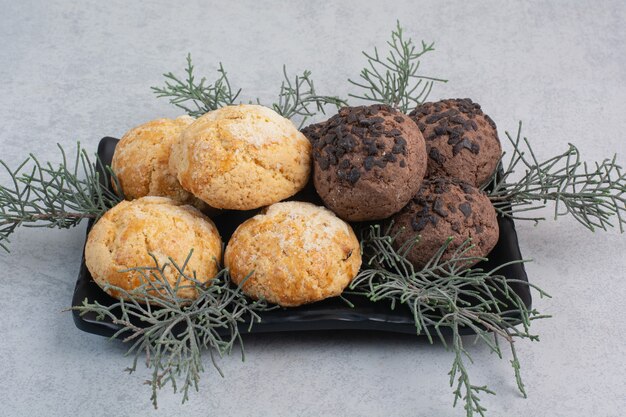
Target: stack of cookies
[(422, 172), (369, 163)]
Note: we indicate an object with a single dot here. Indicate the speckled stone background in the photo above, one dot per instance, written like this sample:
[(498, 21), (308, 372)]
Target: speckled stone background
[(81, 70)]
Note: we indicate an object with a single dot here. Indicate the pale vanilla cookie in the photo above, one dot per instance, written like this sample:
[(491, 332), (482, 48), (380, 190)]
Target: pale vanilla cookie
[(242, 157), (132, 230), (141, 161), (294, 253)]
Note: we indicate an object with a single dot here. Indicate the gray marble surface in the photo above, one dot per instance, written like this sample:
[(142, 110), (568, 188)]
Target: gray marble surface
[(81, 70)]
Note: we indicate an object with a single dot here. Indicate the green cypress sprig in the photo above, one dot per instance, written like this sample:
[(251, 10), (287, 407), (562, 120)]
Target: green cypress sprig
[(197, 97), (299, 98), (593, 194), (296, 97), (395, 79), (438, 298), (61, 196), (172, 333)]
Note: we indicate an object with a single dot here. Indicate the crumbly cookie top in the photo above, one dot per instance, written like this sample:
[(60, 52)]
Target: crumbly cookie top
[(452, 117), (429, 203), (251, 123), (357, 139), (314, 219)]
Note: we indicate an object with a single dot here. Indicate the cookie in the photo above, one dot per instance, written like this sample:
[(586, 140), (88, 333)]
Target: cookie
[(368, 161), (141, 161), (446, 208), (132, 230), (242, 157), (296, 253), (461, 141)]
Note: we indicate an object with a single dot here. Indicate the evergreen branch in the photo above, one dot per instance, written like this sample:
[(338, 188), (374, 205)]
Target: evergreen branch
[(296, 98), (395, 79), (593, 194), (42, 195), (173, 332), (445, 296), (197, 98)]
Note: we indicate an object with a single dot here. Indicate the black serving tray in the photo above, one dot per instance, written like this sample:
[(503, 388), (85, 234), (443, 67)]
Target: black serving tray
[(330, 314)]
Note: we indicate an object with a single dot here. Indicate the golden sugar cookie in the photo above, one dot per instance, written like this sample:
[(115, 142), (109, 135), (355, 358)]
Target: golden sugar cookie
[(297, 253), (141, 161), (125, 236), (242, 157)]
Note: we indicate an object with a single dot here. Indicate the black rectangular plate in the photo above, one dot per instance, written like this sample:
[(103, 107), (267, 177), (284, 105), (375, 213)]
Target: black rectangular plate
[(330, 314)]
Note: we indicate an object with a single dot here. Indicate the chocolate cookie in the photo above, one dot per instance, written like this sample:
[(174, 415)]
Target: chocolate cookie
[(461, 141), (368, 161), (445, 208)]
